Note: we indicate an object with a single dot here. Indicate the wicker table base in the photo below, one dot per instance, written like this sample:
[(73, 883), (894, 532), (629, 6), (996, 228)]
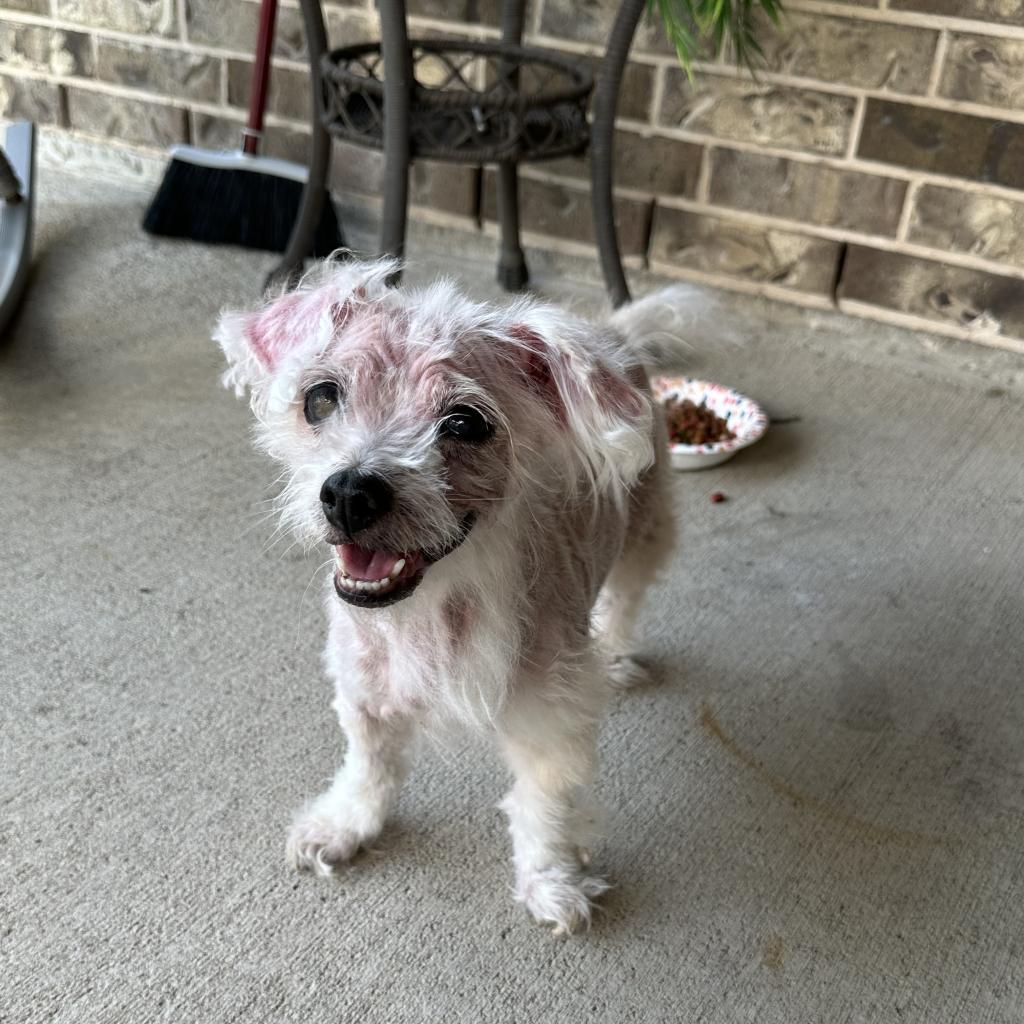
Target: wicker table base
[(471, 102)]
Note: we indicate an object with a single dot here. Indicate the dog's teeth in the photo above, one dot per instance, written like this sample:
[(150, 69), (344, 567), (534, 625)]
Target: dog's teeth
[(382, 586)]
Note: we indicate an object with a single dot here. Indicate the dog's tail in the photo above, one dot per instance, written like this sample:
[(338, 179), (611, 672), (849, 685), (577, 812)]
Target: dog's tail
[(652, 328)]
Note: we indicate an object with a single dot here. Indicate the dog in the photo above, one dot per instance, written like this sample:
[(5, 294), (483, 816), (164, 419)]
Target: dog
[(492, 483)]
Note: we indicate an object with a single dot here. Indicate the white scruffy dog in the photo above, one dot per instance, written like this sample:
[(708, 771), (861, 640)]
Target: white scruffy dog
[(492, 480)]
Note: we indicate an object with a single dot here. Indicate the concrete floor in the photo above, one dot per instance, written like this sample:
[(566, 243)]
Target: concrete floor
[(818, 816)]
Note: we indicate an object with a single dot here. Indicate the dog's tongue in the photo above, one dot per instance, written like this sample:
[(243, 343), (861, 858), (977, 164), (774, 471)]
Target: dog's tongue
[(362, 564)]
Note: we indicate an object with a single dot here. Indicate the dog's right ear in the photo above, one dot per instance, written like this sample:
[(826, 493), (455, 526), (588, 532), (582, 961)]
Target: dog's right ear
[(245, 368), (256, 343), (259, 344)]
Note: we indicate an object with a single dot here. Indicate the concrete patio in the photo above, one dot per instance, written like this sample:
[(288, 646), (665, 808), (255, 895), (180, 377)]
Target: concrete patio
[(817, 816)]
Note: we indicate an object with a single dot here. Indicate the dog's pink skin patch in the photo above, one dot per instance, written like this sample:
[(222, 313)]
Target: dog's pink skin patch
[(541, 370), (372, 351), (458, 620), (341, 313), (552, 372), (272, 332), (614, 393), (290, 320)]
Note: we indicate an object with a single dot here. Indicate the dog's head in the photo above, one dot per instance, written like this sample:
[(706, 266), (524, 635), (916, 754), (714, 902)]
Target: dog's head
[(407, 418)]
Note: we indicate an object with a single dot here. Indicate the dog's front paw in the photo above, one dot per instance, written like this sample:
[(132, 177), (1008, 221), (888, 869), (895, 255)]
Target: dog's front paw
[(320, 842), (560, 896)]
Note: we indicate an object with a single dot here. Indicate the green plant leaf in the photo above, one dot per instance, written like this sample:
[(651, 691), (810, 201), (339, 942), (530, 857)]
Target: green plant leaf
[(690, 23)]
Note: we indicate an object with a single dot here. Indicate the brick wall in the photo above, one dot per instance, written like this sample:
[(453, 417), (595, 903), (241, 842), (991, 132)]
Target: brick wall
[(877, 162)]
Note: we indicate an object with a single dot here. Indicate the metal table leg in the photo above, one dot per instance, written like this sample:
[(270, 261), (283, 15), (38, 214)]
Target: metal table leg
[(602, 135), (512, 271), (398, 83), (300, 245)]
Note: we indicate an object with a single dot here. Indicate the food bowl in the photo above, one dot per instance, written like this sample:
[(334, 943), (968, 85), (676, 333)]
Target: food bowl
[(746, 419)]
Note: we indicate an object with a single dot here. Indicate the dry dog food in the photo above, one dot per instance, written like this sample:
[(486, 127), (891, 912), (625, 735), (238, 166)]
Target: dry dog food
[(689, 423)]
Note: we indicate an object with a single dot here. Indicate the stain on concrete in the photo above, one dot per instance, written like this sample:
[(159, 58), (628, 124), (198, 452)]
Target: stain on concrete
[(859, 828), (773, 953)]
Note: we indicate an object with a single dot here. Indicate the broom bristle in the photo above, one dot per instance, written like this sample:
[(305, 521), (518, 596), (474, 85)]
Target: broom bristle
[(236, 207)]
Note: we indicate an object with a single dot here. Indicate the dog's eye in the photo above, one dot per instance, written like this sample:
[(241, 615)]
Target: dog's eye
[(321, 401), (464, 423)]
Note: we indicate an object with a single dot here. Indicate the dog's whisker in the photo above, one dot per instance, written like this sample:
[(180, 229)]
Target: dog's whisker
[(329, 563)]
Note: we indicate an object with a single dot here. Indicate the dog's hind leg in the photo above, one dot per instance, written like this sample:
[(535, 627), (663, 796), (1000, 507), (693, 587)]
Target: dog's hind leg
[(351, 813), (550, 746), (650, 536)]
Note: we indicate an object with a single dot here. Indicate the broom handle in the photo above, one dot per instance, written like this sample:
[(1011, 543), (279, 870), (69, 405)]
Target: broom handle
[(253, 131)]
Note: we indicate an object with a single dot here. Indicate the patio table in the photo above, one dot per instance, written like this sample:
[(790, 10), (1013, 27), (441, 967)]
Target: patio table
[(484, 103)]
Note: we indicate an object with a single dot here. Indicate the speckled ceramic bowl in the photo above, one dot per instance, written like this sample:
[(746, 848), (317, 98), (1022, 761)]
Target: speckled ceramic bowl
[(746, 419)]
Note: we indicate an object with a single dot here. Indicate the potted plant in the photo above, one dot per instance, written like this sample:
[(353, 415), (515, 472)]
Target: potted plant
[(693, 24)]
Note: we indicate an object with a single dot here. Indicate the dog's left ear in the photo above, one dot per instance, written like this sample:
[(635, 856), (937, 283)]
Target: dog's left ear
[(606, 417)]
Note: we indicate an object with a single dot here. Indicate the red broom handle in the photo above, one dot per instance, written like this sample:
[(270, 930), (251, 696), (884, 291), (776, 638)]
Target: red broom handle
[(260, 78)]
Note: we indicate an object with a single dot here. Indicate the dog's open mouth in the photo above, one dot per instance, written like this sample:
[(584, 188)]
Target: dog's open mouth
[(375, 578)]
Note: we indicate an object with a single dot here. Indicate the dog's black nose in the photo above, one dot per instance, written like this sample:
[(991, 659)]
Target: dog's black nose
[(352, 501)]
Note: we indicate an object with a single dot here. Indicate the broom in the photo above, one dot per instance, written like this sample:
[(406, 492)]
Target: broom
[(239, 197)]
